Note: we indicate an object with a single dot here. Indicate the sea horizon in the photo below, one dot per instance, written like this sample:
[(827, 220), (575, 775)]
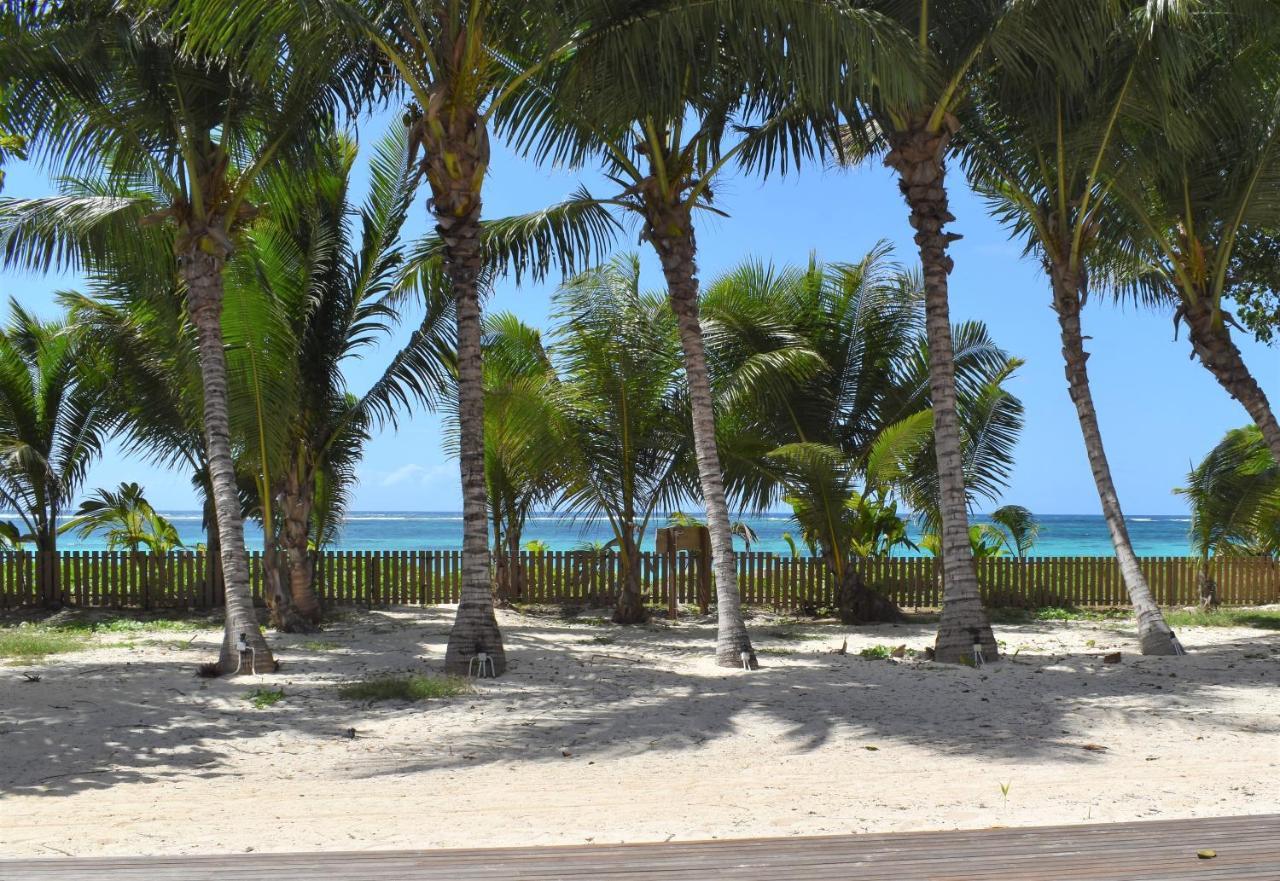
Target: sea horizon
[(1061, 535)]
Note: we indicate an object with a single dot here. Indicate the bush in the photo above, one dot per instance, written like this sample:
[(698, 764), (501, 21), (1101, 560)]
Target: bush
[(262, 698), (405, 688)]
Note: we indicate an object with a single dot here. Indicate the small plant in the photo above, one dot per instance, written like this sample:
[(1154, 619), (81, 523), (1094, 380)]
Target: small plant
[(1090, 643), (209, 670), (876, 652), (319, 645), (405, 688), (262, 698), (603, 639), (774, 650), (1004, 791)]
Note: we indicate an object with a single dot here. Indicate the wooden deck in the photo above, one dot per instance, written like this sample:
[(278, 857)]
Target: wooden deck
[(1247, 848)]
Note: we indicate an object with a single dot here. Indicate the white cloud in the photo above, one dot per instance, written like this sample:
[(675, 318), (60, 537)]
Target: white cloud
[(421, 475)]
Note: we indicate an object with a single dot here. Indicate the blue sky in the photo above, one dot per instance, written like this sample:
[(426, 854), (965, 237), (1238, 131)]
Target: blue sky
[(1159, 409)]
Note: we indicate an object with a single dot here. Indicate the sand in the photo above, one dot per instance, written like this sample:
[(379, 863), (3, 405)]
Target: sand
[(605, 734)]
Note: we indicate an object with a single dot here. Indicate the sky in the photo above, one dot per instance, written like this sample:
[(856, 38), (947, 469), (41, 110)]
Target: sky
[(1160, 411)]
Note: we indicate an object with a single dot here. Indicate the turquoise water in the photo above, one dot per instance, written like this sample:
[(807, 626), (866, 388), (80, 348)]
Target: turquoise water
[(1060, 535)]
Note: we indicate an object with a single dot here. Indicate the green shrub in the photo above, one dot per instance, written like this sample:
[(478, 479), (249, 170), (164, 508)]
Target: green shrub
[(405, 688), (876, 652), (1263, 619)]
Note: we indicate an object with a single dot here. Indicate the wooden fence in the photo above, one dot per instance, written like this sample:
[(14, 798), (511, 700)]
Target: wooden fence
[(383, 578)]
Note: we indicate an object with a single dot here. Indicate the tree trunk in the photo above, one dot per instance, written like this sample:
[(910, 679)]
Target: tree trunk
[(213, 547), (856, 603), (917, 156), (1154, 634), (1211, 340), (202, 273), (48, 576), (629, 607), (284, 617), (515, 568), (1208, 587), (296, 503), (460, 136), (671, 232)]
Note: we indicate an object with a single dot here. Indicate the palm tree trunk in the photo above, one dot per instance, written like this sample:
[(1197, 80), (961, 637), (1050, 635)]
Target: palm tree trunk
[(629, 607), (672, 237), (917, 155), (455, 188), (1211, 340), (856, 602), (1154, 634), (296, 503), (202, 273)]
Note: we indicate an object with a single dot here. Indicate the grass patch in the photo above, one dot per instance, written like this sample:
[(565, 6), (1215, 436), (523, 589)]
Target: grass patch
[(26, 643), (262, 698), (774, 650), (405, 688), (876, 652), (1056, 613), (1262, 619), (319, 645)]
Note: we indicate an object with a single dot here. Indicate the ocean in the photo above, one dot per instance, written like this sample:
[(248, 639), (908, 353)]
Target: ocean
[(1064, 535)]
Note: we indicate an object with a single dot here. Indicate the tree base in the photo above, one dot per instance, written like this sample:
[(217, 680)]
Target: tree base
[(630, 609), (867, 606), (475, 630), (1157, 642), (261, 661), (955, 642)]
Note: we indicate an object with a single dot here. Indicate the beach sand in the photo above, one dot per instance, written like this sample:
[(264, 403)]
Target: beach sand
[(606, 734)]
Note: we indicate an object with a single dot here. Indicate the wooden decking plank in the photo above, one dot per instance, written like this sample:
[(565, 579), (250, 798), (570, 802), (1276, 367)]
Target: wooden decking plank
[(1248, 848)]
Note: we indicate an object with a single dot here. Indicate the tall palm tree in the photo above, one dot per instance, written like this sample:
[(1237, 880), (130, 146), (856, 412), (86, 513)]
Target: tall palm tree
[(1043, 141), (822, 373), (167, 135), (52, 427), (955, 40), (739, 85), (1234, 494), (625, 412), (459, 64), (1014, 528), (1203, 179)]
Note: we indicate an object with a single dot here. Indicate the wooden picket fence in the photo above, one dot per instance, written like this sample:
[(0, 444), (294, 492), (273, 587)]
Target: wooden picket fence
[(187, 580)]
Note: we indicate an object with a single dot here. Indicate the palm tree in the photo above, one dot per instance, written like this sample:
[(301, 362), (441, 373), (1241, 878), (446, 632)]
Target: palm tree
[(624, 410), (822, 374), (1013, 528), (1234, 493), (1044, 141), (311, 294), (748, 86), (955, 40), (1204, 178), (128, 520), (166, 134), (52, 427), (524, 438)]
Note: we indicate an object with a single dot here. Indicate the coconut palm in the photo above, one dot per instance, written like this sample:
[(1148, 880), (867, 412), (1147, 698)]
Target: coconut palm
[(168, 136), (1234, 494), (822, 374), (311, 294), (524, 438), (52, 427), (955, 40), (1013, 528), (625, 412), (128, 520), (739, 85), (1204, 178), (1045, 140)]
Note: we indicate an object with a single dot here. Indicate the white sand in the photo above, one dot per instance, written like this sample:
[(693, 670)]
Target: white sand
[(606, 734)]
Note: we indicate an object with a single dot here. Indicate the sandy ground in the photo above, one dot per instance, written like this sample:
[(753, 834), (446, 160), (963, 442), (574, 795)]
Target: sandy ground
[(605, 734)]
